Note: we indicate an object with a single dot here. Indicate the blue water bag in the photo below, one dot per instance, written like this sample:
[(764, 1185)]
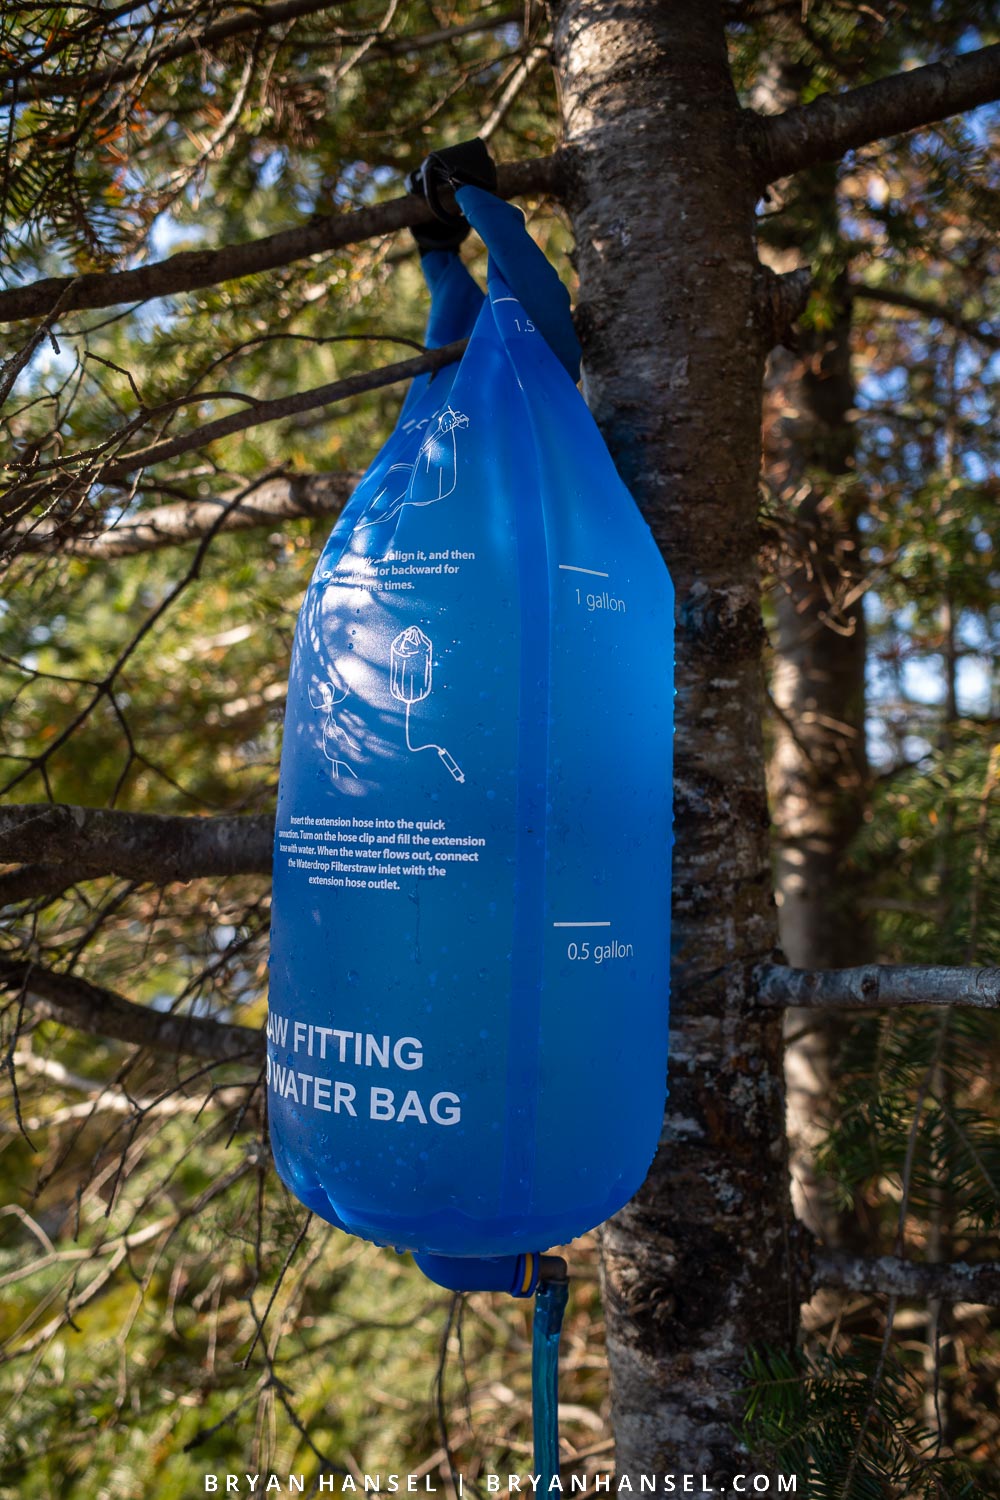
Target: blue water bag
[(467, 1037)]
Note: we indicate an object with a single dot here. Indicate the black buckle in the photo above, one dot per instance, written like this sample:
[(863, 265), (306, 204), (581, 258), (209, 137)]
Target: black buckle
[(467, 164)]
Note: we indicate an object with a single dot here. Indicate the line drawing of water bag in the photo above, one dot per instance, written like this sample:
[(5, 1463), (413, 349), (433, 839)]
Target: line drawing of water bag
[(411, 666)]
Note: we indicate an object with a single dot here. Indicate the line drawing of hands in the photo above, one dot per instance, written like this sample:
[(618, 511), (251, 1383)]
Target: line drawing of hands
[(431, 477), (337, 743)]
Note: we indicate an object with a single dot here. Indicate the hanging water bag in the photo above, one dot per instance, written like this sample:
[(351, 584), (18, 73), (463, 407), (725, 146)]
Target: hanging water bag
[(467, 1037)]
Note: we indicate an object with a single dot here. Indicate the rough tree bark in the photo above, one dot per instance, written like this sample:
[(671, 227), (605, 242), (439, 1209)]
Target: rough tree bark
[(672, 317), (89, 842)]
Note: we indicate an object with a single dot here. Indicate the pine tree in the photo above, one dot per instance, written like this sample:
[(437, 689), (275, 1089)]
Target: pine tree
[(160, 527)]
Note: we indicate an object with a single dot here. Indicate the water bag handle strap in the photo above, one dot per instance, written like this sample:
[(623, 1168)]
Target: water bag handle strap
[(467, 171), (525, 271)]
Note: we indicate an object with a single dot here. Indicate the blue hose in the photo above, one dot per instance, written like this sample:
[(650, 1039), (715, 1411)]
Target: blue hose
[(550, 1304), (520, 1275)]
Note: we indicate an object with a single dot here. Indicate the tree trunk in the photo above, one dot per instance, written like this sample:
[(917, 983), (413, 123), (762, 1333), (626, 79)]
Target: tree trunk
[(818, 771), (819, 765), (661, 196)]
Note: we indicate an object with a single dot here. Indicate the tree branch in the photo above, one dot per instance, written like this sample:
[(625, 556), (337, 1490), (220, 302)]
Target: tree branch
[(836, 123), (40, 883), (877, 986), (34, 489), (88, 842), (103, 1098), (893, 297), (959, 1282), (100, 1012), (190, 269), (783, 300), (260, 18), (272, 411), (282, 498), (403, 46)]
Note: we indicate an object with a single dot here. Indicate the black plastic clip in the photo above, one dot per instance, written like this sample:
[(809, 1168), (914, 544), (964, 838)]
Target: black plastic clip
[(467, 164)]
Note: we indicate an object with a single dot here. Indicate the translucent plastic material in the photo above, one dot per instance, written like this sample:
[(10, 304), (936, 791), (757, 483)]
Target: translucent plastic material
[(467, 1038)]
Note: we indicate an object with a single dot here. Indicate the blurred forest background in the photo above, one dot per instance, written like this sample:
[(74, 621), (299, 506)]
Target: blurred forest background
[(167, 1309)]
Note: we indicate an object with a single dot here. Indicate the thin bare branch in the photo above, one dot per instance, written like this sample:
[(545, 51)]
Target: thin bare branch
[(877, 986), (101, 1012), (519, 76), (957, 1282), (77, 1298), (894, 297), (36, 488), (284, 406), (402, 46), (64, 85), (103, 1098), (279, 498), (258, 18), (38, 764)]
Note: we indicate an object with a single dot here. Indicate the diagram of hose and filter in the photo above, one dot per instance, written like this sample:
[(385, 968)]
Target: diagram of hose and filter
[(410, 681)]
